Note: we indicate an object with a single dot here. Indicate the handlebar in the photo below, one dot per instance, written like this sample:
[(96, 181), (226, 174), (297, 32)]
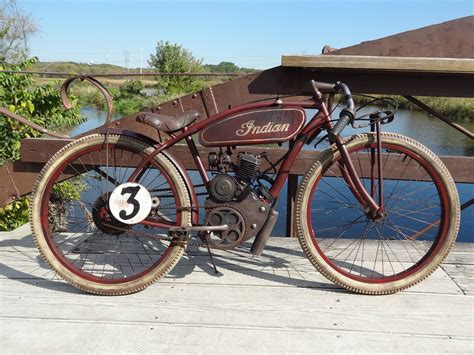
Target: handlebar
[(325, 87), (347, 115)]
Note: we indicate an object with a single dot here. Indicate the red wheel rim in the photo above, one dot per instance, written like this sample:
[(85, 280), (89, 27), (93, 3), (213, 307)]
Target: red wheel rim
[(59, 254)]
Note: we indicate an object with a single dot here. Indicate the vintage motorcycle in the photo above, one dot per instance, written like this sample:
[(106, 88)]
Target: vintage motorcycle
[(375, 213)]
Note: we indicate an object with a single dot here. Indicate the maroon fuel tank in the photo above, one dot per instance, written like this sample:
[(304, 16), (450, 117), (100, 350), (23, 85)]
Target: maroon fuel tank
[(268, 125)]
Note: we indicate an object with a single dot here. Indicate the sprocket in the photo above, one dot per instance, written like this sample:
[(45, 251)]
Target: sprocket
[(230, 238)]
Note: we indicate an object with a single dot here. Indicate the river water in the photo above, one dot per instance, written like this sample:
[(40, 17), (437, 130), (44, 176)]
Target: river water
[(430, 131)]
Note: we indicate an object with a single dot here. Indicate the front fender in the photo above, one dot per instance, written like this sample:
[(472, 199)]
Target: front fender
[(177, 165)]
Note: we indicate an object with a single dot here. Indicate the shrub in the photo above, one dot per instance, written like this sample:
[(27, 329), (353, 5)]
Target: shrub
[(40, 104), (131, 88)]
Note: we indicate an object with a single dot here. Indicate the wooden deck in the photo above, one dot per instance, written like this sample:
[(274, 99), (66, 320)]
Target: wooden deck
[(277, 303)]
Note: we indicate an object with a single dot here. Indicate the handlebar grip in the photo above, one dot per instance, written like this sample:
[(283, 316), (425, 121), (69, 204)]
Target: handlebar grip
[(344, 119), (341, 124)]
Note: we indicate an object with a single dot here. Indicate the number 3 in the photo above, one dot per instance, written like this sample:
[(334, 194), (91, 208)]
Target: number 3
[(133, 191)]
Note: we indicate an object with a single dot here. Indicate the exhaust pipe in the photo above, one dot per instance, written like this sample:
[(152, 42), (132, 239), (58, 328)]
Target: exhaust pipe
[(262, 237)]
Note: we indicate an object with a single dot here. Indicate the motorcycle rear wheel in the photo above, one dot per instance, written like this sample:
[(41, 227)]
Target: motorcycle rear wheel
[(75, 230)]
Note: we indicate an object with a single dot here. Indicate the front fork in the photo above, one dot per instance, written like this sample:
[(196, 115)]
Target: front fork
[(374, 209), (375, 124)]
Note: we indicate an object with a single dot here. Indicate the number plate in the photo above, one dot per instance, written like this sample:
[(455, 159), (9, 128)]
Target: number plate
[(130, 203)]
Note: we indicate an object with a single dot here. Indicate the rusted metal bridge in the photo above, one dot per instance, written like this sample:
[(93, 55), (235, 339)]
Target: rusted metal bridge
[(395, 65)]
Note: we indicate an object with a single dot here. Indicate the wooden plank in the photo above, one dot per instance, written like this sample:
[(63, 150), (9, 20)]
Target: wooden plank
[(462, 275), (27, 336), (282, 264), (258, 305), (241, 305), (405, 64)]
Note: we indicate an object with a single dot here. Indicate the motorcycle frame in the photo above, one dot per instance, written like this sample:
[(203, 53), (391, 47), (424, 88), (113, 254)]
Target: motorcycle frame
[(320, 121)]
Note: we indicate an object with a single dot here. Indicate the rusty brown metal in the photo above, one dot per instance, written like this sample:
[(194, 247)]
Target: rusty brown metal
[(451, 39), (67, 104), (17, 179), (209, 101), (103, 90)]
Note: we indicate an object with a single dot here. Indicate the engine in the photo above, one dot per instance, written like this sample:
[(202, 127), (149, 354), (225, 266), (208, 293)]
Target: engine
[(235, 199), (247, 166), (225, 187)]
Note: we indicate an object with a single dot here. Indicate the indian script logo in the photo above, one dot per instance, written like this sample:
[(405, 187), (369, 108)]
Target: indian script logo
[(249, 127)]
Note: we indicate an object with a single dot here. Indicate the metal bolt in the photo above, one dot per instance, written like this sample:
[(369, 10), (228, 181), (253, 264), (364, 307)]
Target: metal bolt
[(262, 209), (253, 226)]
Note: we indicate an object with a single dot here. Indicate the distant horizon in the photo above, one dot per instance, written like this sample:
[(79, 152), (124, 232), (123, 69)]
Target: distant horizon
[(251, 34), (118, 65)]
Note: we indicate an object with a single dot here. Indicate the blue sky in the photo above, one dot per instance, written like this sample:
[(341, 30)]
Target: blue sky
[(248, 33)]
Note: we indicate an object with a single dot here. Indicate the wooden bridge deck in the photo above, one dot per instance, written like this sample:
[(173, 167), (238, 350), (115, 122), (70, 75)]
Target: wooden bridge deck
[(276, 303)]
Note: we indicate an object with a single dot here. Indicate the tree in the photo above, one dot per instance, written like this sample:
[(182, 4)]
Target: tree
[(173, 58), (226, 67), (15, 29)]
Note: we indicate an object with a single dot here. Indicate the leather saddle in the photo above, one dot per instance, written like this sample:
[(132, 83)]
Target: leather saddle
[(168, 124)]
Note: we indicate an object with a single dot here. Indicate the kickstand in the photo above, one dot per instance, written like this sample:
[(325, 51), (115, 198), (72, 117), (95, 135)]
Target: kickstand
[(210, 256)]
